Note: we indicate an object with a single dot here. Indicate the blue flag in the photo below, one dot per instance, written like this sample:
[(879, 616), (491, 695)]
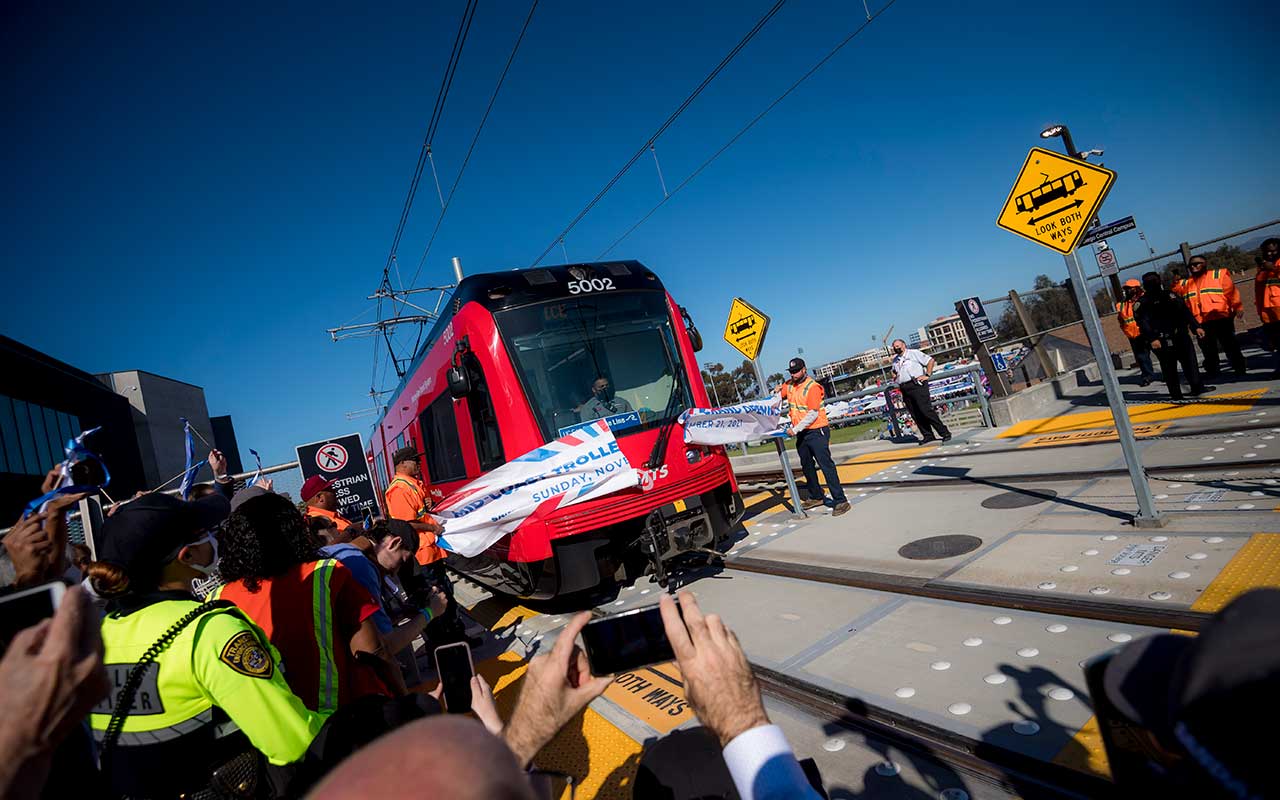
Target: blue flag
[(189, 477), (75, 452), (257, 476)]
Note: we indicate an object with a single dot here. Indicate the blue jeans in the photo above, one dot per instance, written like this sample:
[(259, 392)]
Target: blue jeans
[(815, 445)]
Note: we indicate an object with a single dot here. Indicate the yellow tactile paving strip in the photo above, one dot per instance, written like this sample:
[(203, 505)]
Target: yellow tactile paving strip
[(868, 464), (607, 768), (1086, 752), (1093, 435), (1148, 412), (1254, 566)]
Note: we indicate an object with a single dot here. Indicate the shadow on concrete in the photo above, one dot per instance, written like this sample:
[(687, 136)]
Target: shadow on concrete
[(962, 474)]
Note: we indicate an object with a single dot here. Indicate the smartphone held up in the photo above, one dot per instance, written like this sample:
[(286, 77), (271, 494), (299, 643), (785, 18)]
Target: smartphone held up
[(626, 641)]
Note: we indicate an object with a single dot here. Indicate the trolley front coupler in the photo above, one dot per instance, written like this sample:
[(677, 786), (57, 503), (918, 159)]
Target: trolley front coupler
[(653, 543)]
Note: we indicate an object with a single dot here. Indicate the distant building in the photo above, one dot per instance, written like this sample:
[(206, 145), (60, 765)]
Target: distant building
[(43, 403), (946, 333), (827, 370), (159, 404), (917, 338), (224, 438)]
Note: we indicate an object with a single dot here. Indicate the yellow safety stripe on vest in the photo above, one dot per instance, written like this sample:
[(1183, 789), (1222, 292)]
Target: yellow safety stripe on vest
[(422, 506), (327, 702), (1211, 291), (177, 730)]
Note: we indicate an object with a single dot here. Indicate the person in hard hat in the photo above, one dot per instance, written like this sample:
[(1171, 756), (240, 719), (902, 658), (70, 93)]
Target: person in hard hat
[(1215, 303), (322, 501), (1266, 295), (180, 668), (1128, 320), (407, 500), (1167, 324), (809, 425)]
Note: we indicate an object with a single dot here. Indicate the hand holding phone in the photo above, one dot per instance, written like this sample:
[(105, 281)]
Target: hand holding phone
[(626, 641), (453, 664), (27, 609)]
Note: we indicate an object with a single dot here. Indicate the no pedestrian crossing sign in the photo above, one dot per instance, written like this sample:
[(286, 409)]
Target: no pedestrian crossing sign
[(746, 328), (1107, 262), (977, 314), (341, 460), (1054, 199)]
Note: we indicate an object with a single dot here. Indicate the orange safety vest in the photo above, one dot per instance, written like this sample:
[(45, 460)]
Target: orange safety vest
[(1212, 296), (1128, 322), (407, 500), (803, 398), (340, 521), (1266, 292)]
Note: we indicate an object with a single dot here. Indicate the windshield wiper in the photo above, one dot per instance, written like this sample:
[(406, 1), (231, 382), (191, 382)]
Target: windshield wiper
[(664, 433)]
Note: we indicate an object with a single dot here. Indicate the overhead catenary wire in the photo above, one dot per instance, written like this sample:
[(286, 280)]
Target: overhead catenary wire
[(724, 62), (733, 140), (444, 206)]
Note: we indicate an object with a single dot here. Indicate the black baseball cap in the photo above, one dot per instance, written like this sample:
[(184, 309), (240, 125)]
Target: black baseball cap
[(796, 365), (1209, 697), (146, 533), (404, 454)]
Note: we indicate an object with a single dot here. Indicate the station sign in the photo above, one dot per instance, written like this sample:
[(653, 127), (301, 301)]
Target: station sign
[(977, 315), (1053, 198), (1107, 231), (341, 460), (746, 328)]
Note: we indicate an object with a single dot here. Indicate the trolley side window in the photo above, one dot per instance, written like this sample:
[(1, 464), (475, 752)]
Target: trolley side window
[(484, 419), (440, 441), (379, 473)]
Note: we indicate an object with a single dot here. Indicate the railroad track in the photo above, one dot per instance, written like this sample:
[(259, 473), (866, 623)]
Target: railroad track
[(765, 479)]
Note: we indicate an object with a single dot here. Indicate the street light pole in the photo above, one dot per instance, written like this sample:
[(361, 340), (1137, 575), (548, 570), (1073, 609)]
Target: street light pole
[(1055, 131)]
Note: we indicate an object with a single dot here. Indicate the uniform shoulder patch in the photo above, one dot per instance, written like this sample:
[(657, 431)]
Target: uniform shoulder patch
[(246, 655)]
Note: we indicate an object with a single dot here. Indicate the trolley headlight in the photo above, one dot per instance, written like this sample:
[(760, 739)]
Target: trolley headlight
[(692, 455)]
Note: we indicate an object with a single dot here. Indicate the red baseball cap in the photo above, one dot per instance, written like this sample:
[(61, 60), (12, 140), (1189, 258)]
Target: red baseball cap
[(313, 486)]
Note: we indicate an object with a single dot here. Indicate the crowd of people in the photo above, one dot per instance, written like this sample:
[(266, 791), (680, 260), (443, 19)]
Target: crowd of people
[(1201, 307), (237, 644)]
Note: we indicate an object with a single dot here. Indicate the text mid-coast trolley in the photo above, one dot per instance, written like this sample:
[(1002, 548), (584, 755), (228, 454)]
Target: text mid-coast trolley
[(511, 364)]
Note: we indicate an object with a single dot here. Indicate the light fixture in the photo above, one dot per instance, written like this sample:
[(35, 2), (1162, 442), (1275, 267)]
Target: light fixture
[(1052, 131)]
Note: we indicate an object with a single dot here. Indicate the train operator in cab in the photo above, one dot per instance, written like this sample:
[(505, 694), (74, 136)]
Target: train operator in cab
[(602, 403), (407, 500), (321, 501), (809, 425)]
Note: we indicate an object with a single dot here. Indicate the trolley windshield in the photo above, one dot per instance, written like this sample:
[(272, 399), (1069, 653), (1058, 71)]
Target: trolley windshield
[(609, 356)]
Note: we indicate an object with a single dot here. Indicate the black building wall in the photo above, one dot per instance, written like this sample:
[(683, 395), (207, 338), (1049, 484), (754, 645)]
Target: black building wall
[(43, 402), (224, 438)]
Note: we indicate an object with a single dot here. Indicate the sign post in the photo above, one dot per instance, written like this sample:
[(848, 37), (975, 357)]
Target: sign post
[(782, 452), (341, 460), (1051, 200), (972, 314)]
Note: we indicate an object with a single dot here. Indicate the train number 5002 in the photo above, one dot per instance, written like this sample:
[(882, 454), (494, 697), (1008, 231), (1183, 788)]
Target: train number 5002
[(592, 285)]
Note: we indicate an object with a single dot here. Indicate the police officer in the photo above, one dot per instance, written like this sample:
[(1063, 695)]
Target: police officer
[(181, 669), (1166, 323), (809, 425), (1129, 326)]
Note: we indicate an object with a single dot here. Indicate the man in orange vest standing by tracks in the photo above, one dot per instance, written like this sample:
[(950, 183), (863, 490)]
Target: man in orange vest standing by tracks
[(809, 425), (1215, 303), (1127, 311), (1266, 294), (407, 500)]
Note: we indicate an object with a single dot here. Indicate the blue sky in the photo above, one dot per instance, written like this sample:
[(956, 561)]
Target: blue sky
[(200, 193)]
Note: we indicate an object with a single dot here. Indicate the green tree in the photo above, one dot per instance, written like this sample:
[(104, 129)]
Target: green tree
[(775, 379)]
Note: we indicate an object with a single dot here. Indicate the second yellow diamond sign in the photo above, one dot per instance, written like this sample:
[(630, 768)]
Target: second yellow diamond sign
[(1054, 199)]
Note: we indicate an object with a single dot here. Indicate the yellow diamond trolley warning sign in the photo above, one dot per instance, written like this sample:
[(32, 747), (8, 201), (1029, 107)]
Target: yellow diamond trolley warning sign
[(746, 328), (1054, 199)]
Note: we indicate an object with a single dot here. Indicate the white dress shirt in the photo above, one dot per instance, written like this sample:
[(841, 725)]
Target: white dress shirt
[(764, 767), (909, 366)]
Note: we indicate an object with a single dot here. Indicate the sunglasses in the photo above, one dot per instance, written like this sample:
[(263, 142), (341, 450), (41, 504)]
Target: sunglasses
[(1199, 263)]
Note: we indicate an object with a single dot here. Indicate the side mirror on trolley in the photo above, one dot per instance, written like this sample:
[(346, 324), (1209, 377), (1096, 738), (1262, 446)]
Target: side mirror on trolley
[(459, 382), (695, 338)]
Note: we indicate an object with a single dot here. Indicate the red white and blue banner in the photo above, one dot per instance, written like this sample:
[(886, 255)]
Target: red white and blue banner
[(579, 466), (744, 422)]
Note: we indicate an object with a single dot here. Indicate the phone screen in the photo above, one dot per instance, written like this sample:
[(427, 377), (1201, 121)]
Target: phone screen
[(453, 662), (625, 641), (24, 609)]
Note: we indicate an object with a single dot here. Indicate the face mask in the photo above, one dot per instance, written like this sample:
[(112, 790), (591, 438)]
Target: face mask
[(605, 393), (212, 566)]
